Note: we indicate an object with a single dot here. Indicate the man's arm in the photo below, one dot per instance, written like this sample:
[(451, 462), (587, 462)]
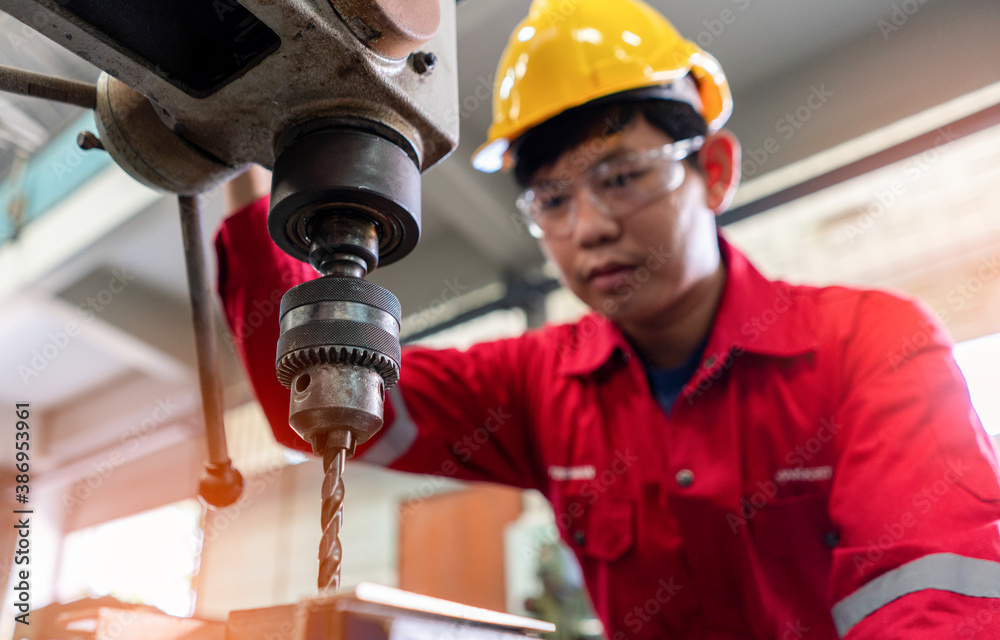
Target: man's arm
[(916, 493), (247, 188), (458, 414), (253, 276)]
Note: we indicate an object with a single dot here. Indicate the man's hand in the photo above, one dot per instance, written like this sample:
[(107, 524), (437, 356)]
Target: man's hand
[(249, 186)]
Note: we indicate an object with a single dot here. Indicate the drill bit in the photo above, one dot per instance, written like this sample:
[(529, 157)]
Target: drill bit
[(332, 517)]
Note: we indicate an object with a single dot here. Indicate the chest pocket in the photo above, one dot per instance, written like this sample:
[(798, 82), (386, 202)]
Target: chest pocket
[(598, 526), (795, 527), (794, 538)]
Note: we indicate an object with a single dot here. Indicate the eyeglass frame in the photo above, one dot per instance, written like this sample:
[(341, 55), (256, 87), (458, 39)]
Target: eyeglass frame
[(678, 151)]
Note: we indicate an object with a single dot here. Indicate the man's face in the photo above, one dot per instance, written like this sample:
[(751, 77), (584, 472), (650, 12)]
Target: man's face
[(638, 268)]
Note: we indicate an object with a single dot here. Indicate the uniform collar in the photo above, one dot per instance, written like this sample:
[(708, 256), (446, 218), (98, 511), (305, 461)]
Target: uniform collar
[(753, 316)]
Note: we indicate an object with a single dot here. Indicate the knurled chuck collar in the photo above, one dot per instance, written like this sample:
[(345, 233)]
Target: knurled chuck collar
[(334, 320)]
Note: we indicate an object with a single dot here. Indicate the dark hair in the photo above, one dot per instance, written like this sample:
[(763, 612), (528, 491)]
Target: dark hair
[(544, 144)]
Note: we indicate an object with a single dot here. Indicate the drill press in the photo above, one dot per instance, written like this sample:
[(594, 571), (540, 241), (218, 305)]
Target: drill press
[(348, 102)]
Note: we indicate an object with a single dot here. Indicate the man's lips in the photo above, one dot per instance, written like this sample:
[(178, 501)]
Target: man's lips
[(606, 277)]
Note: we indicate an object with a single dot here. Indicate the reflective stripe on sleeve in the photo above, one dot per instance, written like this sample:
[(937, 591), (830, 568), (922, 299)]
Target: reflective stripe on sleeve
[(941, 571), (397, 439)]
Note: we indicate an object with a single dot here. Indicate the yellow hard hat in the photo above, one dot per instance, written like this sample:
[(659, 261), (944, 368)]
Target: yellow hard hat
[(569, 52)]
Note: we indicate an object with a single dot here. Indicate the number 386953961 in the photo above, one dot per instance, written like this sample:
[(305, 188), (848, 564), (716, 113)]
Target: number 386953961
[(22, 445)]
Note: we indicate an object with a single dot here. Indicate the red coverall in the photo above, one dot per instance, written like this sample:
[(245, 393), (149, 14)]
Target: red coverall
[(822, 474)]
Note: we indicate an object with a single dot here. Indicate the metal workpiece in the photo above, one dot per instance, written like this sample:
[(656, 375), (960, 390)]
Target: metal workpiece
[(220, 484), (233, 78), (135, 136), (344, 170), (375, 612)]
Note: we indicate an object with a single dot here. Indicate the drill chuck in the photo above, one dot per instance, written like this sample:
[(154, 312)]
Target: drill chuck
[(338, 353)]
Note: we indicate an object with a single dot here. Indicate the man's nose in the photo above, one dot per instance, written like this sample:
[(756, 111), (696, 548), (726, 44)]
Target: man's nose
[(594, 222)]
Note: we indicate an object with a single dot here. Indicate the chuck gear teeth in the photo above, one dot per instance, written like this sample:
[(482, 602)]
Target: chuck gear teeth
[(291, 363)]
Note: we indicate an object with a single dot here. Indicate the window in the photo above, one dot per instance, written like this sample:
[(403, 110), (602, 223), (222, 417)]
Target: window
[(150, 558), (979, 360)]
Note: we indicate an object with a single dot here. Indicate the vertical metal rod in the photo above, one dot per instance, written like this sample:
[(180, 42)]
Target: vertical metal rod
[(331, 519), (37, 85), (222, 484)]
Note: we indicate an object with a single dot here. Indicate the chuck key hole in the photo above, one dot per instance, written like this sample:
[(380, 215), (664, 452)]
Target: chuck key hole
[(302, 383)]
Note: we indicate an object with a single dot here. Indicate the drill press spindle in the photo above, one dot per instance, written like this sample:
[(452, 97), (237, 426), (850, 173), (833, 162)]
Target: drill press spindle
[(344, 199)]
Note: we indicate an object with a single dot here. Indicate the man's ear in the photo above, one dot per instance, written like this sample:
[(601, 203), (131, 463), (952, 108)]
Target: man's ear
[(720, 160)]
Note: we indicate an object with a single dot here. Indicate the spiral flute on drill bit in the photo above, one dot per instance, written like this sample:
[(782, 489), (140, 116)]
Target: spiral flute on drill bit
[(330, 551)]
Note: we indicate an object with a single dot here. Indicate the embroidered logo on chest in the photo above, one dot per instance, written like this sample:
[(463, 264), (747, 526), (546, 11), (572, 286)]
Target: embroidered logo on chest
[(800, 474), (579, 472)]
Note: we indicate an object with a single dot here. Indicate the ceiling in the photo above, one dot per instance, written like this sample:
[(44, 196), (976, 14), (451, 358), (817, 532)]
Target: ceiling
[(27, 123), (774, 54)]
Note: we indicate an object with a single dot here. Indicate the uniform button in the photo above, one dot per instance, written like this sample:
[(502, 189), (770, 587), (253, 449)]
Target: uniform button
[(709, 361), (831, 539), (685, 478), (579, 538)]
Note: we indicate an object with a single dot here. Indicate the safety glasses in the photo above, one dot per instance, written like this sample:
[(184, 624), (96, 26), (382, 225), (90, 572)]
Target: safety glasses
[(616, 187)]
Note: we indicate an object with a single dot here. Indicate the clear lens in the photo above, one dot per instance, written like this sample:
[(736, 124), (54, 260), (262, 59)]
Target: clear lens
[(547, 208), (618, 187), (625, 186)]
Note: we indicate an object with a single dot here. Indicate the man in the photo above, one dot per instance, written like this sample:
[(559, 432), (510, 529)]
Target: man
[(729, 457)]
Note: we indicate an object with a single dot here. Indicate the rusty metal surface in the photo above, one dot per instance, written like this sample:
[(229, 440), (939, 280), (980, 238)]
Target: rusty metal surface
[(37, 85), (221, 485), (321, 69)]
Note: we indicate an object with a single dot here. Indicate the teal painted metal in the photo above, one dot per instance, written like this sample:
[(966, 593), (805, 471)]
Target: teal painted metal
[(54, 173)]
